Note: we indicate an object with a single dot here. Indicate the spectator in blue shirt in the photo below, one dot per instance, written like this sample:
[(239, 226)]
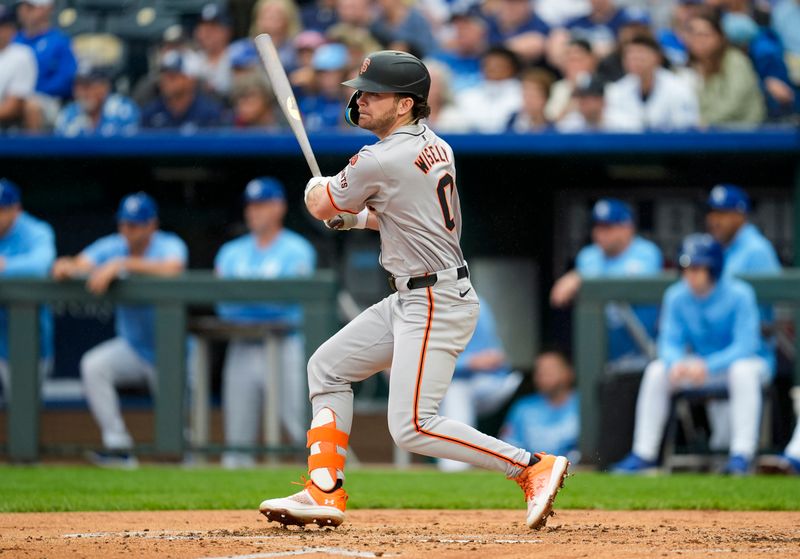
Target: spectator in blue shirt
[(616, 251), (550, 418), (600, 26), (767, 55), (27, 250), (96, 110), (322, 107), (55, 60), (181, 104), (482, 382), (462, 53), (267, 251), (516, 26), (139, 247), (709, 337)]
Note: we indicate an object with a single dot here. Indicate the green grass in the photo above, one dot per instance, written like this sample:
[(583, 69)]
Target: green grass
[(48, 488)]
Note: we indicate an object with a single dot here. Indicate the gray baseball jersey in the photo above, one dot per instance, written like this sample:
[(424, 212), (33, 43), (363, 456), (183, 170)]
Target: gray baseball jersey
[(409, 180)]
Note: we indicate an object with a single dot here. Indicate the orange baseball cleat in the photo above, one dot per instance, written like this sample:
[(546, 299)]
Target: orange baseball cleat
[(541, 483), (309, 506)]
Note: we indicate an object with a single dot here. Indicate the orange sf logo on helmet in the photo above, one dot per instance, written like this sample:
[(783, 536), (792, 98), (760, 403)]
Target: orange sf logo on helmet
[(364, 66)]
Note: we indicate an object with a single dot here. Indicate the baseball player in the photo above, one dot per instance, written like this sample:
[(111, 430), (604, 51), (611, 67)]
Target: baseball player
[(403, 186), (709, 335), (27, 249), (139, 247), (267, 251)]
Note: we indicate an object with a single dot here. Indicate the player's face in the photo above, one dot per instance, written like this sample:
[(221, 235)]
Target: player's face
[(264, 217), (137, 235), (379, 112), (551, 374), (723, 226), (699, 280), (612, 238), (8, 215)]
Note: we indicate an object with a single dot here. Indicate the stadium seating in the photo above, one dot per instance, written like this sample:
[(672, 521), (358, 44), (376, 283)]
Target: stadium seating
[(73, 22), (103, 5), (145, 23)]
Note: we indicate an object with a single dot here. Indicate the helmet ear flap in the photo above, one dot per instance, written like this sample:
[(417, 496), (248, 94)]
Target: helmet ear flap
[(351, 111)]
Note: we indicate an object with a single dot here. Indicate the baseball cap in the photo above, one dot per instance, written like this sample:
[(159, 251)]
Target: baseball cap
[(214, 13), (333, 56), (589, 85), (7, 15), (9, 193), (243, 54), (137, 208), (610, 211), (89, 72), (181, 62), (264, 189), (728, 198)]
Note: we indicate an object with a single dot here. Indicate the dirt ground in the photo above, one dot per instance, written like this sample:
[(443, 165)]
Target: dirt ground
[(401, 533)]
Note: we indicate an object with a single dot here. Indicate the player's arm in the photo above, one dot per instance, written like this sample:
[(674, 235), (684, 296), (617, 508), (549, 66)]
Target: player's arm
[(71, 267), (319, 204), (163, 268)]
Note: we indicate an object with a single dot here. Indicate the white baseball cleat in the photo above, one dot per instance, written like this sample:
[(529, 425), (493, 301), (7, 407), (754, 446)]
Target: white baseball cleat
[(309, 506), (541, 483)]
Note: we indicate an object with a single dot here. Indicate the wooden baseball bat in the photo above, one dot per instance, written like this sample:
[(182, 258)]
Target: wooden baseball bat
[(285, 96)]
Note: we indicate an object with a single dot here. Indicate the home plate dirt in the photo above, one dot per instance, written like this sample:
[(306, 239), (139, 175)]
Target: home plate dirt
[(401, 533)]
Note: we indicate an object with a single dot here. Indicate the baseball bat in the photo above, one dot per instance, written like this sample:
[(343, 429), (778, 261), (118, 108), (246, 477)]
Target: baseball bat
[(285, 96)]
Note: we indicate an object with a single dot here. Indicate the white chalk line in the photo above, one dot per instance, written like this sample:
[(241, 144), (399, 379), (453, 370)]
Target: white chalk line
[(176, 535), (338, 551)]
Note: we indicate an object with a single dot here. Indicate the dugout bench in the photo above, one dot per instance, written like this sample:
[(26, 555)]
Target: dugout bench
[(171, 298), (590, 341)]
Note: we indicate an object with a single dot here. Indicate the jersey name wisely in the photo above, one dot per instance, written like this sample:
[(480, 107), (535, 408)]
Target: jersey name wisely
[(419, 213)]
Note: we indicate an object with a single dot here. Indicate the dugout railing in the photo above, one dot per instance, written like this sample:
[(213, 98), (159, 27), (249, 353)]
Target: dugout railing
[(590, 333), (171, 298)]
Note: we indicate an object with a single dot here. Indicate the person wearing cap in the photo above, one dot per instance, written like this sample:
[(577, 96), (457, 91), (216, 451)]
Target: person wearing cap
[(138, 247), (181, 105), (462, 52), (709, 337), (267, 251), (244, 58), (96, 110), (323, 104), (174, 38), (55, 62), (17, 71), (650, 97), (616, 252), (27, 250), (600, 26), (589, 114), (213, 37)]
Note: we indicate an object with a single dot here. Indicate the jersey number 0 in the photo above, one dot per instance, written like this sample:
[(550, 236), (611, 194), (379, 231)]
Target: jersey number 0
[(445, 182)]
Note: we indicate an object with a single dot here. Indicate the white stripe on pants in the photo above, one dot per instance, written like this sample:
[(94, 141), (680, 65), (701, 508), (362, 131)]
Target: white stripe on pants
[(243, 394), (104, 368), (744, 380)]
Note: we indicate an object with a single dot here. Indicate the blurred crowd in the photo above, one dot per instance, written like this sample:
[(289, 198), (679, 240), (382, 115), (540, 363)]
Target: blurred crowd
[(539, 65)]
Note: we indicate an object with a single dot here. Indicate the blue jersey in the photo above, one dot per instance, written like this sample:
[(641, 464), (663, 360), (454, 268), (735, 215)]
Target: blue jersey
[(57, 65), (586, 28), (289, 255), (533, 422), (641, 258), (119, 116), (204, 112), (498, 36), (321, 112), (28, 249), (484, 338), (786, 22), (136, 323), (466, 70), (750, 253), (720, 328)]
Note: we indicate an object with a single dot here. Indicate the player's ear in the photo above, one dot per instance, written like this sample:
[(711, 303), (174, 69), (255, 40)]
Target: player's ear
[(405, 106)]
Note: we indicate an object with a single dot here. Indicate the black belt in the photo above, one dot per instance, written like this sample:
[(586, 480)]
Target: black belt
[(430, 280)]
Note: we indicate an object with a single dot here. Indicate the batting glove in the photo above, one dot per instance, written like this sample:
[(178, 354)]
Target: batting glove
[(345, 222)]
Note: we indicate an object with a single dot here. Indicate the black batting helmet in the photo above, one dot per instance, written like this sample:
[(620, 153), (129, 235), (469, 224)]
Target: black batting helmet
[(388, 71)]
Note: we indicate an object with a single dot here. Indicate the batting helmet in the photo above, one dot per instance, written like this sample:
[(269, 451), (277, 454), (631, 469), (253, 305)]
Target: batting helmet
[(388, 71), (700, 249)]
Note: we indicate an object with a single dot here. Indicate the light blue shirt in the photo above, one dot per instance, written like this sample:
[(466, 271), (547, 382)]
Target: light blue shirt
[(641, 258), (119, 117), (289, 255), (720, 328), (536, 424), (786, 23), (29, 249), (484, 338), (136, 323)]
